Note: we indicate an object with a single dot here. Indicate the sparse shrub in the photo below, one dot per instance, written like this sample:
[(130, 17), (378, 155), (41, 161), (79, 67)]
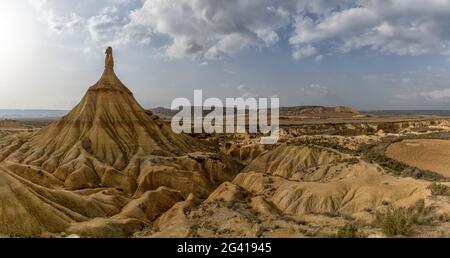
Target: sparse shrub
[(369, 210), (260, 230), (232, 204), (331, 214), (352, 161), (347, 231), (439, 189), (311, 233), (325, 144), (268, 183), (444, 217), (397, 222)]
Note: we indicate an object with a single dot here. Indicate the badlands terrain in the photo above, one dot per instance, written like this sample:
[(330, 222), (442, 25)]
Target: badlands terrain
[(111, 168)]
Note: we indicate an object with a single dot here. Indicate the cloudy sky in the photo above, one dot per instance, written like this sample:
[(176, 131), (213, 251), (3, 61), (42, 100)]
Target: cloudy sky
[(370, 54)]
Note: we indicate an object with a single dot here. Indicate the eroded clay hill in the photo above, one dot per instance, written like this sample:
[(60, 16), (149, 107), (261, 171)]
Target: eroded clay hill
[(107, 165), (293, 190)]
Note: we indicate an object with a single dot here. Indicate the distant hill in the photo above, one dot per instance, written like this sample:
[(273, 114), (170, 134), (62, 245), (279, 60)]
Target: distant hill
[(318, 111), (164, 112), (409, 112), (31, 113), (9, 123), (306, 111)]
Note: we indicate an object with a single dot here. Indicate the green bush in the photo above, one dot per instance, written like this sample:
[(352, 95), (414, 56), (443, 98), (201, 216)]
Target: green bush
[(439, 189), (347, 231), (397, 222)]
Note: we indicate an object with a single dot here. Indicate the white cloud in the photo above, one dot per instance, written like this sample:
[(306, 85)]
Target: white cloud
[(212, 29), (392, 26), (315, 89), (249, 95), (434, 96), (208, 28), (57, 23), (437, 95), (105, 26), (243, 87), (111, 25), (303, 52), (319, 58)]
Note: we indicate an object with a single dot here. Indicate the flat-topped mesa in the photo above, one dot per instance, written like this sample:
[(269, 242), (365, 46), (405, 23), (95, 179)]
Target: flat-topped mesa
[(109, 80)]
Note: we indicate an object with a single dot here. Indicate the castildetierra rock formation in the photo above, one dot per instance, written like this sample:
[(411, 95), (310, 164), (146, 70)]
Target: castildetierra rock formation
[(102, 164)]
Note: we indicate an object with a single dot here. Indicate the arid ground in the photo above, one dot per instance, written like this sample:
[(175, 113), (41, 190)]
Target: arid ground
[(110, 168), (428, 154)]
